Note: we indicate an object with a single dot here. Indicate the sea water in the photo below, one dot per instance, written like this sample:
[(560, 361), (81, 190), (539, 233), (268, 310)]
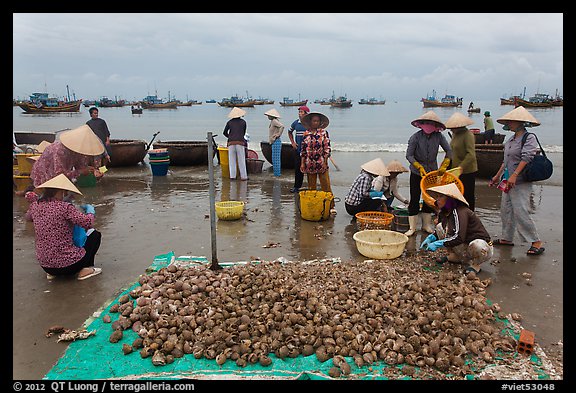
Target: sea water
[(359, 128)]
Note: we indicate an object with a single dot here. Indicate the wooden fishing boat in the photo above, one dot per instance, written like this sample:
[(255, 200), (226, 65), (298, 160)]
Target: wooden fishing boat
[(341, 102), (287, 154), (371, 101), (69, 106), (489, 159), (153, 102), (136, 111), (537, 101), (126, 152), (106, 102), (41, 103), (447, 101), (186, 153), (286, 101), (474, 110), (236, 101)]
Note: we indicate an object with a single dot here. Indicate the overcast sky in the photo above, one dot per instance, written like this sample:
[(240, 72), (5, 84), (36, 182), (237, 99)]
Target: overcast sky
[(200, 56)]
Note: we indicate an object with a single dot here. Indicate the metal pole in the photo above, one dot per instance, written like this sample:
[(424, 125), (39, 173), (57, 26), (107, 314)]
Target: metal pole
[(214, 265)]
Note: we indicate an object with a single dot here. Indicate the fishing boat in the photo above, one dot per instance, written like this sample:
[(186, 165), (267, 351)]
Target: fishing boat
[(287, 101), (136, 111), (341, 102), (106, 102), (473, 110), (371, 101), (210, 101), (236, 101), (187, 153), (446, 101), (287, 154), (153, 102), (538, 100), (41, 103)]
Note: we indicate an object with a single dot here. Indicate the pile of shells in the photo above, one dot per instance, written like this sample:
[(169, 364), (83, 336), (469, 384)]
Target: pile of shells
[(392, 311)]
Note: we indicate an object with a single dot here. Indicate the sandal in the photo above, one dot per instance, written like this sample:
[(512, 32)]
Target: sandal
[(471, 269), (535, 250), (500, 242), (95, 272)]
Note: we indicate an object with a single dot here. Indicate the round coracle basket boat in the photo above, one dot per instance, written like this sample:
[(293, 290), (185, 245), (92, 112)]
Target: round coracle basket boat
[(287, 154), (126, 152), (186, 153), (489, 159)]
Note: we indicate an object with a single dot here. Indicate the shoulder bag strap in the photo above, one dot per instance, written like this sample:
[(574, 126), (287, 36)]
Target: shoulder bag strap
[(526, 137)]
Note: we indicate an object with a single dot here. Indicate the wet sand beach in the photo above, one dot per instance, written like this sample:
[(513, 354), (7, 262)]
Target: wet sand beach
[(141, 216)]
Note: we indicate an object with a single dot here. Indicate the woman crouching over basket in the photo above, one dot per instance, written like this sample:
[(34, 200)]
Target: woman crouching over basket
[(362, 197), (459, 229)]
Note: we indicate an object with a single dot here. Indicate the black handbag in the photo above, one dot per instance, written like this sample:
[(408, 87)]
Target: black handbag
[(540, 168)]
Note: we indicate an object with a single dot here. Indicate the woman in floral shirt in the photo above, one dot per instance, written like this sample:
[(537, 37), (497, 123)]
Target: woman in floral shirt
[(315, 152), (54, 220)]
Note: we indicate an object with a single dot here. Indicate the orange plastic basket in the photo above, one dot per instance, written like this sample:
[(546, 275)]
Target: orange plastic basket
[(433, 179), (373, 220)]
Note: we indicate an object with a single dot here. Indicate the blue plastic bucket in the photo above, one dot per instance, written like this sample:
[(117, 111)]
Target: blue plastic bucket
[(159, 169)]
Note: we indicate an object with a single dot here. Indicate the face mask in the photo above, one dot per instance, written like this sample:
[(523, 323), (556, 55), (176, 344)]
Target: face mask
[(428, 128)]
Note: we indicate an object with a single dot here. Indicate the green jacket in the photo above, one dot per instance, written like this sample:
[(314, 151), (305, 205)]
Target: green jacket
[(464, 151)]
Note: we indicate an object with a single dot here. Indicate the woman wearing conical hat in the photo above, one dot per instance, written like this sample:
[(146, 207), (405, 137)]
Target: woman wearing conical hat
[(362, 196), (389, 184), (463, 145), (72, 154), (235, 130), (515, 202), (422, 153), (459, 229), (54, 220), (275, 130)]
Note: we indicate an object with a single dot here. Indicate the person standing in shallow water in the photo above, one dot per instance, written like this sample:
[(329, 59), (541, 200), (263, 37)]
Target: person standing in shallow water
[(296, 140), (101, 130), (275, 131), (235, 131), (315, 153)]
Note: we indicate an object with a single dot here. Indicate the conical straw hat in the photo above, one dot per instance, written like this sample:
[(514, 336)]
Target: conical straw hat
[(82, 140), (273, 112), (236, 112), (43, 145), (519, 114), (458, 120), (431, 116), (450, 189), (396, 166), (324, 121), (376, 167), (61, 182)]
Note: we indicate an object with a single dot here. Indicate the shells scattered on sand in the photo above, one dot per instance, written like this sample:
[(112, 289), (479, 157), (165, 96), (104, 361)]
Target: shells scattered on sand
[(398, 311)]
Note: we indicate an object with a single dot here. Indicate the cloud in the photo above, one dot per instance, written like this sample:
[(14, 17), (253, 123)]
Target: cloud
[(215, 55)]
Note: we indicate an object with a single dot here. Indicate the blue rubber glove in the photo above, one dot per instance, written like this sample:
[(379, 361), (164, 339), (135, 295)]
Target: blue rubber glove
[(89, 209), (435, 245), (376, 194), (431, 238)]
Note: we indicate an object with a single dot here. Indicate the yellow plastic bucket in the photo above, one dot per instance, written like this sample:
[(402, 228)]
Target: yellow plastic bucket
[(315, 205), (22, 182), (25, 165), (224, 163)]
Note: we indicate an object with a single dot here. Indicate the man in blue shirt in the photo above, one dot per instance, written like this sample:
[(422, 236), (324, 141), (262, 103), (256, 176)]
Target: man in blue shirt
[(297, 145)]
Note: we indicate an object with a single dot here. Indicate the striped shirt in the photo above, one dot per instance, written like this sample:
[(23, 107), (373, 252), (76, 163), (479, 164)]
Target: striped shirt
[(300, 130)]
